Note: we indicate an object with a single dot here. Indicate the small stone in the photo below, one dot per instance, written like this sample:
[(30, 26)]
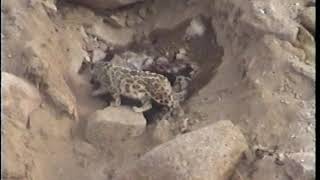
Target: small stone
[(281, 156), (196, 28), (98, 55), (20, 98), (279, 159), (309, 129), (184, 126), (9, 56), (182, 54), (86, 57), (182, 57)]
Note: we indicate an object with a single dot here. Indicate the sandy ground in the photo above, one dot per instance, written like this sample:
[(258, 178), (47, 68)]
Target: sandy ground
[(255, 67)]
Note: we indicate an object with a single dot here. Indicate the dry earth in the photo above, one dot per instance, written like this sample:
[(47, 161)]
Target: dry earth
[(248, 70)]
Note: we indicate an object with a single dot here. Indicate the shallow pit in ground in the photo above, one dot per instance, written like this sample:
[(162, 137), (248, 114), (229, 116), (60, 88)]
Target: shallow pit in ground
[(187, 55)]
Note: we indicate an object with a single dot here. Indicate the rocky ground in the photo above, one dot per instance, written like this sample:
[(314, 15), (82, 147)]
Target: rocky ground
[(245, 71)]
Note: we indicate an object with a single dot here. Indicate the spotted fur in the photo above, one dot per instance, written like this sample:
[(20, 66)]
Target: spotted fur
[(140, 85)]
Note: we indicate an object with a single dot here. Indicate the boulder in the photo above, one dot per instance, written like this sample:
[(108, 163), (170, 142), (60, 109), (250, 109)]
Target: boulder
[(20, 98), (196, 28), (113, 125), (207, 153)]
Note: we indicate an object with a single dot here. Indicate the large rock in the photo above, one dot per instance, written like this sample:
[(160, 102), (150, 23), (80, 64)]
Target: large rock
[(43, 123), (105, 4), (48, 78), (207, 153), (20, 98), (112, 125)]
